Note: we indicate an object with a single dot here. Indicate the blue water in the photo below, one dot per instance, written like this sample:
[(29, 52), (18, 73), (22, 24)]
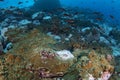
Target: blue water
[(107, 7)]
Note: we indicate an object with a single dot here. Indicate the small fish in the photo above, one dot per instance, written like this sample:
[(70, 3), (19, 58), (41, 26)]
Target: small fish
[(96, 13), (61, 9), (111, 16), (26, 1), (113, 1), (20, 2), (8, 11), (70, 21), (1, 0), (99, 19), (35, 0), (76, 13), (12, 7), (65, 14)]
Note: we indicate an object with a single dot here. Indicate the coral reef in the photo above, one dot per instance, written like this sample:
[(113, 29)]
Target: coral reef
[(89, 67), (63, 44), (32, 57)]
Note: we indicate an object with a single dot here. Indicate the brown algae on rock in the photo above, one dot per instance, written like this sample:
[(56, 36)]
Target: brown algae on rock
[(33, 58), (32, 53)]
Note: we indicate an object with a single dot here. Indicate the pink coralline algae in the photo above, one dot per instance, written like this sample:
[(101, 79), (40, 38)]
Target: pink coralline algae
[(46, 54), (44, 72), (105, 75), (91, 77)]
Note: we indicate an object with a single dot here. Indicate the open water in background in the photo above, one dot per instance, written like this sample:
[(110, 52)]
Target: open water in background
[(107, 7)]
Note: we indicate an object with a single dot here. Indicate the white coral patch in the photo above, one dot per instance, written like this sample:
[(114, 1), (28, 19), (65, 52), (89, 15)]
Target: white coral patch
[(116, 51), (35, 15), (24, 22), (64, 54), (3, 31), (104, 40), (47, 18), (84, 29)]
